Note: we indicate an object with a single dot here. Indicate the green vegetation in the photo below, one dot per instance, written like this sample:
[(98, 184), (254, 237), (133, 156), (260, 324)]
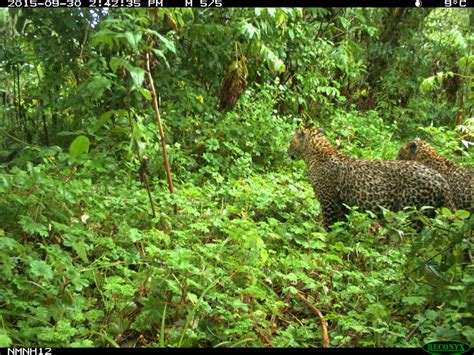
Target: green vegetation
[(237, 255)]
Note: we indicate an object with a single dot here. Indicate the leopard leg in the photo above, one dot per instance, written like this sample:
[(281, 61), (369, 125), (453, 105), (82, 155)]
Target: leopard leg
[(331, 211)]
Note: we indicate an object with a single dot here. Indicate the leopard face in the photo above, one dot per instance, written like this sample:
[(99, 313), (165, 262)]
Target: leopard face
[(311, 143), (421, 151), (296, 144)]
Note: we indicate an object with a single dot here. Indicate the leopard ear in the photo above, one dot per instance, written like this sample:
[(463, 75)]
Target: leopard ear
[(321, 130), (412, 146)]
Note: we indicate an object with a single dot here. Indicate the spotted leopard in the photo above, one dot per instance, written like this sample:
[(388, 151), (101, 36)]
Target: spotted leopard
[(339, 180), (461, 181)]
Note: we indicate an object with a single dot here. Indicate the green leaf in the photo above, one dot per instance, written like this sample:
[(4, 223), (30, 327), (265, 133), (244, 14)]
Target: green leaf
[(138, 75), (145, 93), (275, 63), (291, 289), (427, 84), (168, 44), (81, 249), (134, 235), (116, 62), (414, 300), (133, 39), (271, 11), (106, 37), (84, 343), (79, 146), (446, 212), (102, 120), (5, 341), (462, 214), (193, 297), (32, 227), (439, 77), (40, 268), (467, 331), (97, 86), (344, 22), (431, 315), (249, 30), (159, 53), (466, 62), (20, 23)]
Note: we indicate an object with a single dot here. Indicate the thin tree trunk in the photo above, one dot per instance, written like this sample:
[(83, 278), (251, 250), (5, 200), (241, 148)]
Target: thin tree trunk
[(160, 126), (45, 126)]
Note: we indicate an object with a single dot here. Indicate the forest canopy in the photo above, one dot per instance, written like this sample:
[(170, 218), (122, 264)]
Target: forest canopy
[(147, 198)]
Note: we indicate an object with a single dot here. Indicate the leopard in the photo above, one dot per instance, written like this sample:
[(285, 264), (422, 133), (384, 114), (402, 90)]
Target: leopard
[(340, 181), (460, 180)]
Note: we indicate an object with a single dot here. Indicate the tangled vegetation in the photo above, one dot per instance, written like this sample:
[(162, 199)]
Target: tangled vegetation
[(101, 245)]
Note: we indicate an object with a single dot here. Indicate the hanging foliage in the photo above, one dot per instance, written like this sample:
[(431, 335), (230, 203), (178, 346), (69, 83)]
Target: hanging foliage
[(235, 81)]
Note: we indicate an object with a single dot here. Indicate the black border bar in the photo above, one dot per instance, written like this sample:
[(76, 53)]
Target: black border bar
[(233, 3)]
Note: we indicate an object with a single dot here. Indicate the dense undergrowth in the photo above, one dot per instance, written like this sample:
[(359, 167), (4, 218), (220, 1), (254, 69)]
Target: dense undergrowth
[(83, 262)]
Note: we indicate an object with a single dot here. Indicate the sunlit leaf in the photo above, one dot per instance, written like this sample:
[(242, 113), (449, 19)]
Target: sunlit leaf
[(138, 76), (79, 146)]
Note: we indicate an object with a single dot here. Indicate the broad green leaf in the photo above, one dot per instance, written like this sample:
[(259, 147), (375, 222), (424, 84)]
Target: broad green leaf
[(102, 120), (280, 18), (79, 146), (138, 75), (439, 77), (249, 30), (20, 23), (427, 84), (159, 53), (106, 37), (81, 249), (462, 214), (5, 341), (135, 235), (468, 332), (431, 314), (145, 93), (168, 44), (446, 212), (275, 63), (97, 86), (116, 62), (133, 39)]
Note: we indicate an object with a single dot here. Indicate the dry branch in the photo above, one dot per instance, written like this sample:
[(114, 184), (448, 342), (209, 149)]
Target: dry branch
[(317, 312), (160, 126)]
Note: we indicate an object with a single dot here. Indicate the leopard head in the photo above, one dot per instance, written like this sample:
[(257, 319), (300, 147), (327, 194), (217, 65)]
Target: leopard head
[(418, 150), (309, 142)]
